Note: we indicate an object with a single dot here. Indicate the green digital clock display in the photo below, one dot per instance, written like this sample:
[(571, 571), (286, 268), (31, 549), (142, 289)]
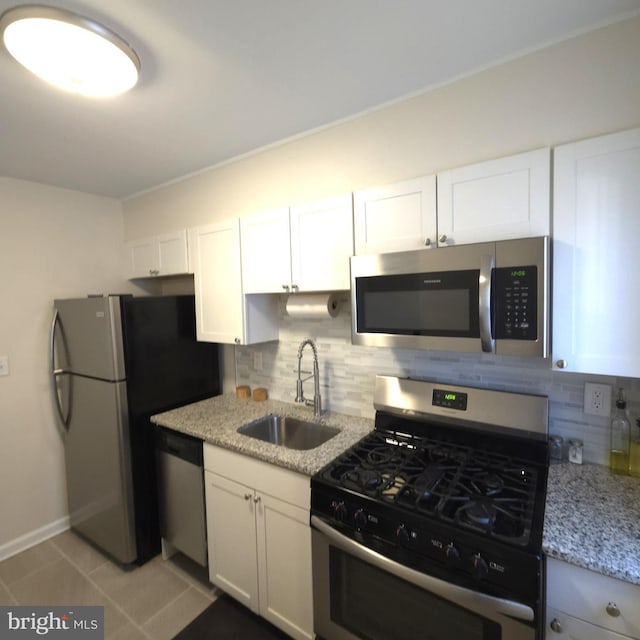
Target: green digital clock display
[(518, 273), (448, 399)]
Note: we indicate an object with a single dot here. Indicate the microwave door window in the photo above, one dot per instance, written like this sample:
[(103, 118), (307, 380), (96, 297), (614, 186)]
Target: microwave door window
[(403, 305), (418, 312)]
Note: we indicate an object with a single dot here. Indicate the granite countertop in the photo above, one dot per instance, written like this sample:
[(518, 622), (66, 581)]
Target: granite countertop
[(216, 420), (592, 517), (592, 520)]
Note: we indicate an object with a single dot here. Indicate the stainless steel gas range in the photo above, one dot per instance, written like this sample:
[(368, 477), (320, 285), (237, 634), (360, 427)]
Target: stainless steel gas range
[(430, 527)]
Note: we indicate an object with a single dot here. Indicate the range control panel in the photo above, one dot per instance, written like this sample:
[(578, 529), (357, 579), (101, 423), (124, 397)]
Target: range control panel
[(515, 303)]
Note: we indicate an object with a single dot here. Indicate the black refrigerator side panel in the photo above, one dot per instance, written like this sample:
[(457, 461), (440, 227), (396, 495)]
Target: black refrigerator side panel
[(166, 368)]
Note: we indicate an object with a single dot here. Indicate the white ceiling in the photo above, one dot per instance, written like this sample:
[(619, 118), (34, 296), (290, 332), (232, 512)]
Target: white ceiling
[(221, 78)]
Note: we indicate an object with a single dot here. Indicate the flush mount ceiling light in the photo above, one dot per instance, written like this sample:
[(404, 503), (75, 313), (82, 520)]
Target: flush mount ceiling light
[(69, 51)]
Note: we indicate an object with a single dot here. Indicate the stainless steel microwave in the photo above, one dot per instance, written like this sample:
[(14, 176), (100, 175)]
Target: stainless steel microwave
[(490, 297)]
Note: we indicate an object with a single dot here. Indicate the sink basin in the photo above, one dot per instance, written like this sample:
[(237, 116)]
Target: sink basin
[(289, 432)]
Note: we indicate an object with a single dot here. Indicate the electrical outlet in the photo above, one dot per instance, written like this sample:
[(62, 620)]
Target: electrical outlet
[(597, 399), (4, 365), (257, 360)]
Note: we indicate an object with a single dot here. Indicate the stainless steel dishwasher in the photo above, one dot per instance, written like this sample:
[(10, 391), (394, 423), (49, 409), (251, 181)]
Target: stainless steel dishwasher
[(181, 507)]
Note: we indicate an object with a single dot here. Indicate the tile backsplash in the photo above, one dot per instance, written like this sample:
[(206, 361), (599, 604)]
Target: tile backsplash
[(347, 373)]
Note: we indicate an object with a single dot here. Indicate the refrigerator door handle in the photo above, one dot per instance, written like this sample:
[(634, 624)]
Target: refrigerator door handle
[(64, 420)]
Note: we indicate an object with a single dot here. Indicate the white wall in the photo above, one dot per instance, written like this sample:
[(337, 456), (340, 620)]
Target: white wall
[(53, 243), (579, 88)]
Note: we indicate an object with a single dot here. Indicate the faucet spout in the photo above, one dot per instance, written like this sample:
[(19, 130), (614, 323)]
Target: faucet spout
[(317, 400)]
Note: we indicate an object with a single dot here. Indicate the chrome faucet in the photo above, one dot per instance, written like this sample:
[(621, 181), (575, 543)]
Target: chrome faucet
[(317, 400)]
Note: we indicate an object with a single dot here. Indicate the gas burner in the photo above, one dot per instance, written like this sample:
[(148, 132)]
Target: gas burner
[(362, 479), (487, 483), (380, 456), (478, 512)]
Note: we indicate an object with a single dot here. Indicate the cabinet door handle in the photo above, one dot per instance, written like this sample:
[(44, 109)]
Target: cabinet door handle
[(556, 626), (285, 287), (612, 609), (237, 340), (561, 364), (443, 238), (427, 242), (247, 496), (256, 499), (294, 287)]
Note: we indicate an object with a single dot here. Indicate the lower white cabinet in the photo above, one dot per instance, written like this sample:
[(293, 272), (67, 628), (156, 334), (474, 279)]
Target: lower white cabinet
[(561, 626), (259, 538), (585, 605)]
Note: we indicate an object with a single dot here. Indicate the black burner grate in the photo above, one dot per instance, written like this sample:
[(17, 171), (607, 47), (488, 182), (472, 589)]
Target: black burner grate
[(489, 493)]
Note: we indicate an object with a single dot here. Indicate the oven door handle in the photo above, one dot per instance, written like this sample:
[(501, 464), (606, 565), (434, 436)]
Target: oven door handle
[(453, 593)]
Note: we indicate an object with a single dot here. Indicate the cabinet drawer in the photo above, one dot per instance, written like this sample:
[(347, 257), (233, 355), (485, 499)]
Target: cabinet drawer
[(285, 484), (586, 595), (571, 628)]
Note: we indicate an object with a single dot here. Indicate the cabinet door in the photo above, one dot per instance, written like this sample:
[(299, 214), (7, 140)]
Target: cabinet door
[(496, 200), (218, 284), (144, 258), (173, 257), (566, 627), (397, 217), (284, 566), (596, 244), (266, 252), (598, 599), (231, 533), (321, 244)]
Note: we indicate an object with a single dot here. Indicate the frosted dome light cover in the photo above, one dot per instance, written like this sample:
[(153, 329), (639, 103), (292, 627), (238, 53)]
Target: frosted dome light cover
[(69, 51)]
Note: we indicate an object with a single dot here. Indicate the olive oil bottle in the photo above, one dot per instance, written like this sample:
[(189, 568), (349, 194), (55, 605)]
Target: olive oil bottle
[(620, 435), (634, 451)]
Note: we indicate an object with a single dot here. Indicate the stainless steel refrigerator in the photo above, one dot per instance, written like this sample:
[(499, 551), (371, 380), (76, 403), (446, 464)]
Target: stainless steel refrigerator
[(117, 360)]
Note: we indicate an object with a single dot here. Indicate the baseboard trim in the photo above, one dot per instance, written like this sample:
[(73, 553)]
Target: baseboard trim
[(32, 538)]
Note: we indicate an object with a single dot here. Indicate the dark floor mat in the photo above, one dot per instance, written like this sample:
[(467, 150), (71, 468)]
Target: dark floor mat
[(226, 619)]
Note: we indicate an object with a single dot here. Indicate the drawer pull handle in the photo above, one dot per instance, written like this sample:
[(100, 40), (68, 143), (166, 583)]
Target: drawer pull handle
[(612, 610), (556, 626)]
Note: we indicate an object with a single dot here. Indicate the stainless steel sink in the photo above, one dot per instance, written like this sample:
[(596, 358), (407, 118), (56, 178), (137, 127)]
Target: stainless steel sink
[(289, 432)]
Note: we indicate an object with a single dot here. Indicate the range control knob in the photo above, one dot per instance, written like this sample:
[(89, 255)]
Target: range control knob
[(360, 518), (452, 555), (479, 566), (403, 534), (339, 510)]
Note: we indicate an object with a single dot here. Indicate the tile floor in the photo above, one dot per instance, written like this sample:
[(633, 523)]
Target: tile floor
[(151, 602)]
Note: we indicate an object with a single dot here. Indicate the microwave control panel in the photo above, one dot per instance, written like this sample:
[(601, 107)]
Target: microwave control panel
[(515, 303)]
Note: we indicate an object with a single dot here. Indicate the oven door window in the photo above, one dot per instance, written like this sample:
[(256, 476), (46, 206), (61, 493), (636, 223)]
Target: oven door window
[(424, 304), (375, 605)]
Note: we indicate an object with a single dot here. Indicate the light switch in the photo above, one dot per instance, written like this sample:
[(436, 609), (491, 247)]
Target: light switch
[(4, 365)]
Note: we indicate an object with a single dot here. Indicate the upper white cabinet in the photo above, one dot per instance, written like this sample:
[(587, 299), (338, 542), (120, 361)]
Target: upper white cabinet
[(321, 244), (305, 248), (223, 313), (495, 200), (266, 252), (596, 246), (162, 255), (397, 217), (584, 605)]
